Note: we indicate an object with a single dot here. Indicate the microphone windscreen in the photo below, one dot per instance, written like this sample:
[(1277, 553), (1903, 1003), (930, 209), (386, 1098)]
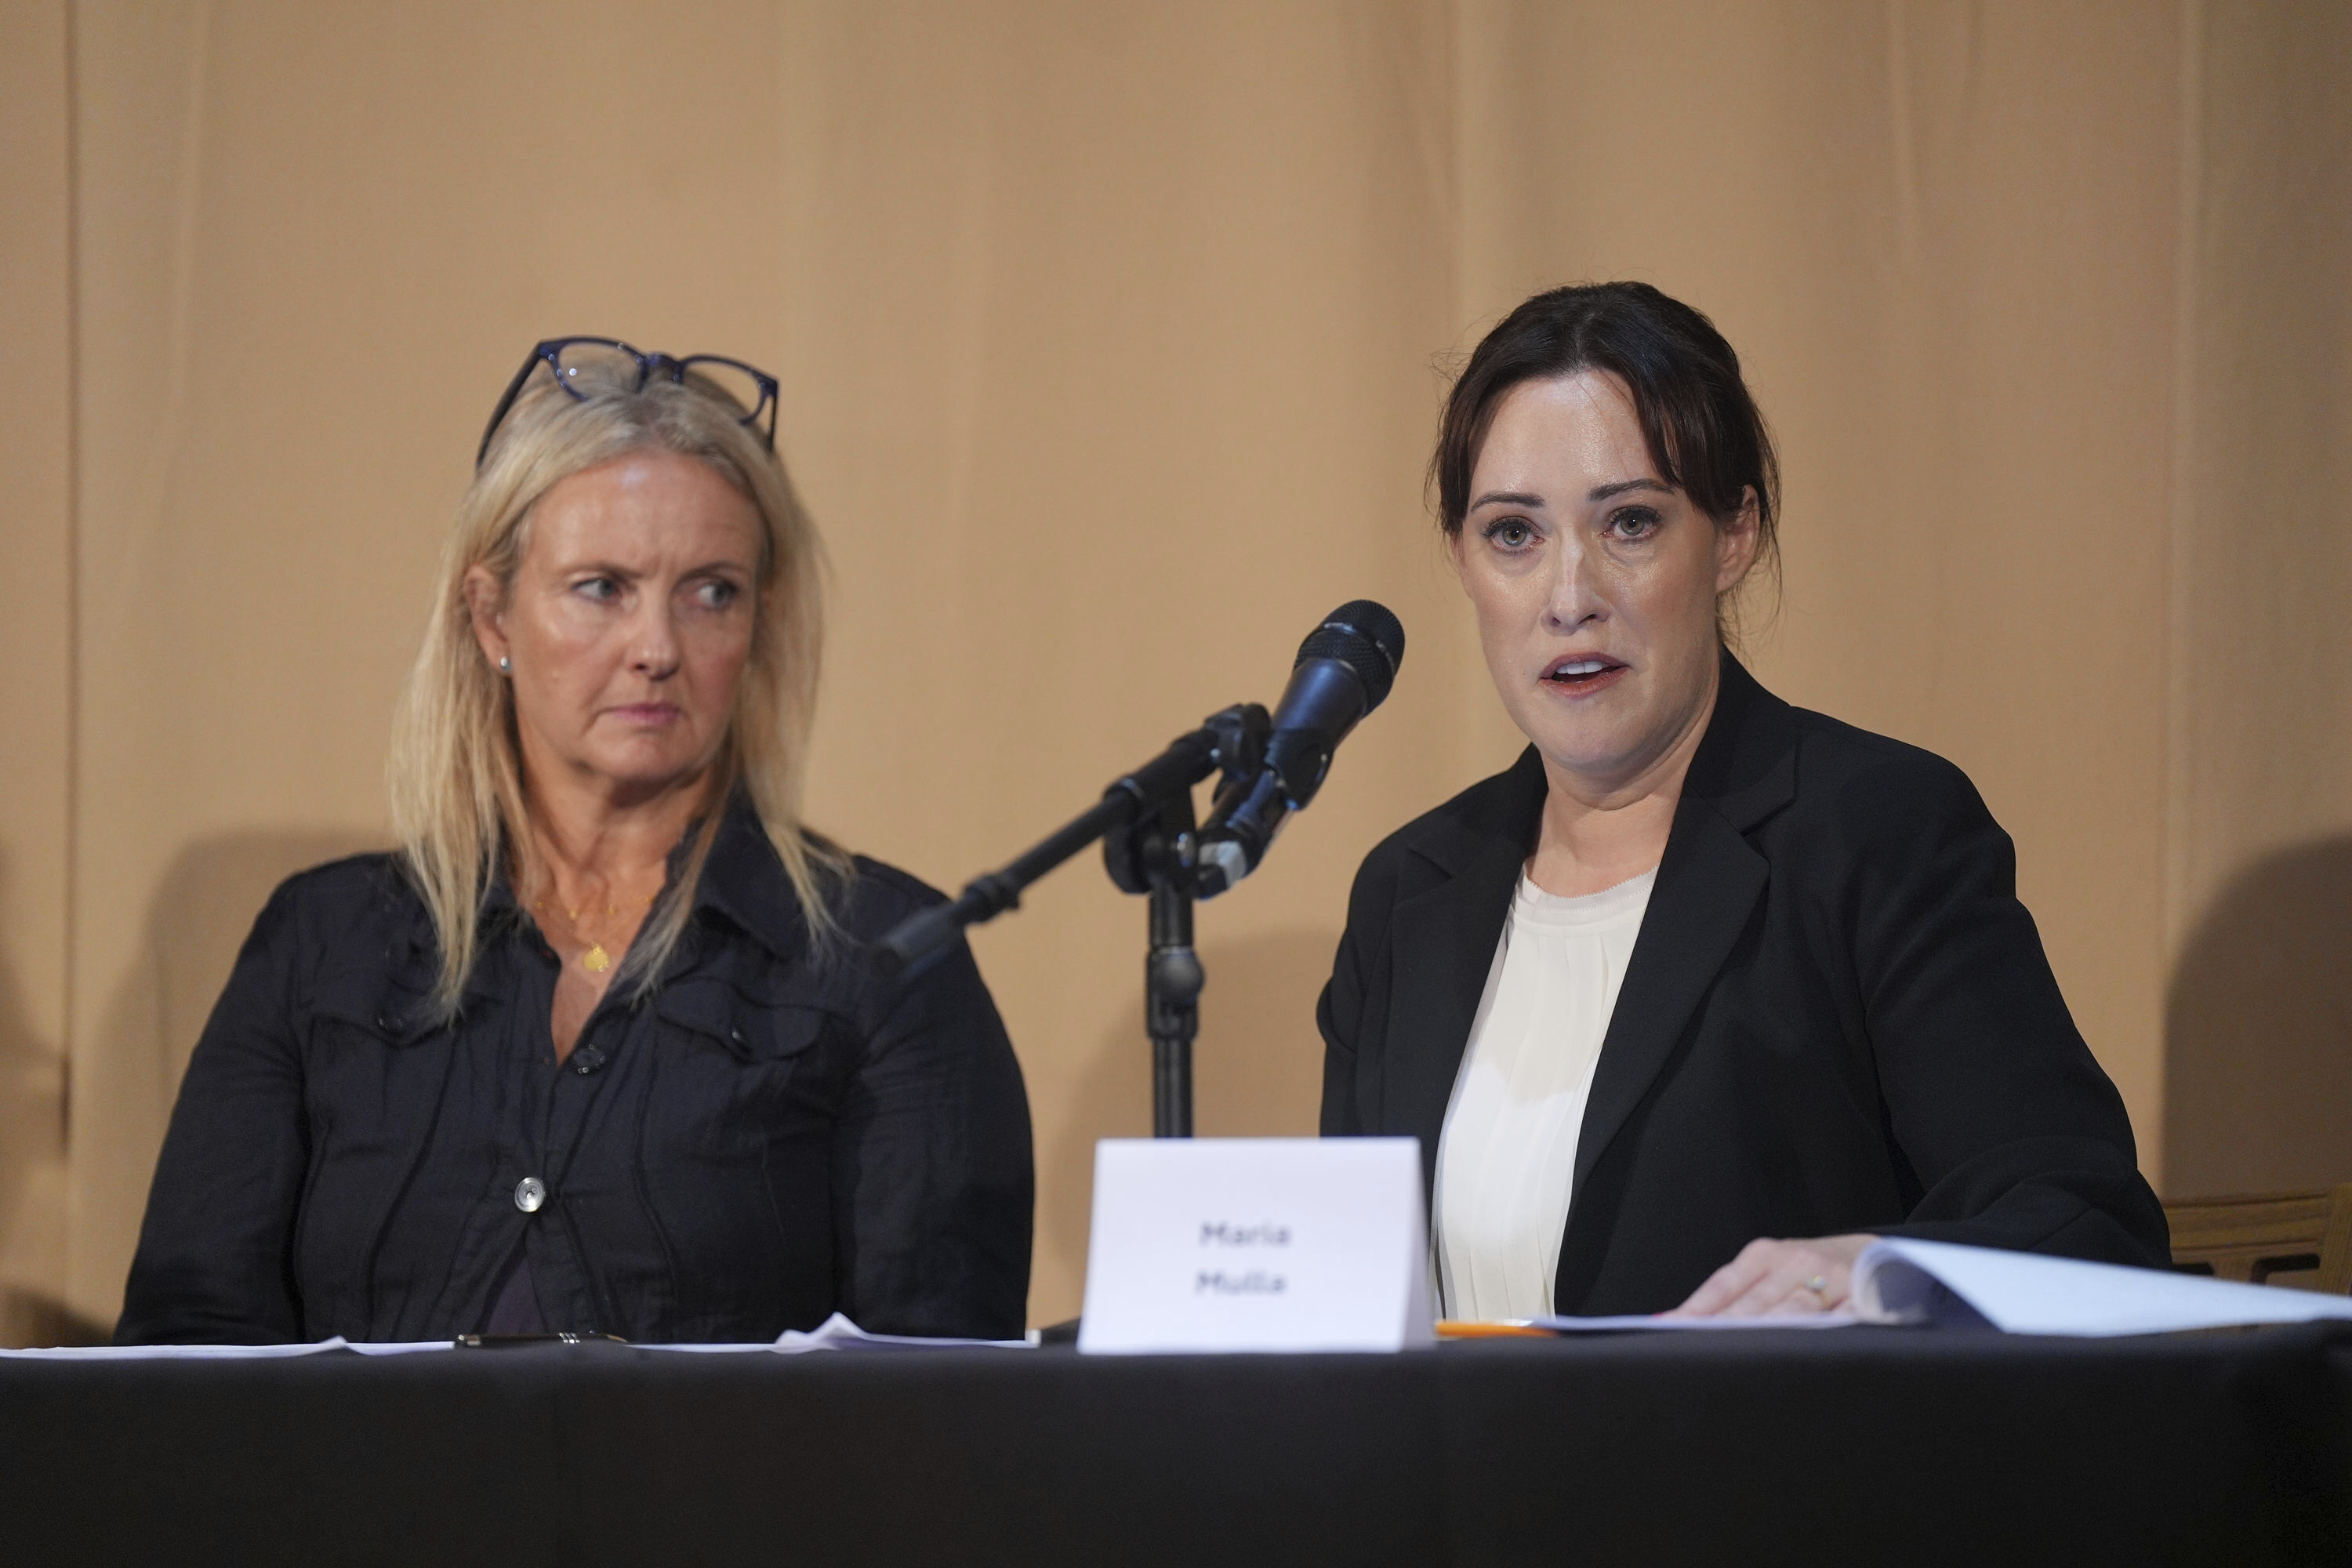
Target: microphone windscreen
[(1367, 638)]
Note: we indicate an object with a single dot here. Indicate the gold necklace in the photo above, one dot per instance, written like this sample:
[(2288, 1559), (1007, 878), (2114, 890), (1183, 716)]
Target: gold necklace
[(596, 960)]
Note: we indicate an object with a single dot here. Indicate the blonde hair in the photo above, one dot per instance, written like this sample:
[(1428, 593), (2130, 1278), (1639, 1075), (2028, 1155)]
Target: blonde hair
[(454, 777)]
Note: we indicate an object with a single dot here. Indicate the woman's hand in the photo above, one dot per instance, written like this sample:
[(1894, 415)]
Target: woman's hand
[(1779, 1277)]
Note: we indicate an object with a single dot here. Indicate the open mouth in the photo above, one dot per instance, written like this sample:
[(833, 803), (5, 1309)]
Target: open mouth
[(1583, 672)]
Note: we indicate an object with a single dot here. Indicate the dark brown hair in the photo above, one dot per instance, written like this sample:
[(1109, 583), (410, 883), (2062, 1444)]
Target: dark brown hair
[(1704, 431)]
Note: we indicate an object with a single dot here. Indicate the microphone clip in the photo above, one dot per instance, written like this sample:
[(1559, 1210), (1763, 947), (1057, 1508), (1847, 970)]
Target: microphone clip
[(1155, 848), (1241, 732)]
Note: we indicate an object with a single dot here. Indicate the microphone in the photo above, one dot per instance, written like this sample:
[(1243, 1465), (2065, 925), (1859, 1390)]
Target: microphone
[(1344, 671)]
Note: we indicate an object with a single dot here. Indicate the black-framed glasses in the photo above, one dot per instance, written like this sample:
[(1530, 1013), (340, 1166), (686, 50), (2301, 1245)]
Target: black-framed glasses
[(581, 365)]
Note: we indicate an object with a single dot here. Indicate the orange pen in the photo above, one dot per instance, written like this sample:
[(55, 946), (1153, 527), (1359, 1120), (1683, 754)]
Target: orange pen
[(1461, 1329)]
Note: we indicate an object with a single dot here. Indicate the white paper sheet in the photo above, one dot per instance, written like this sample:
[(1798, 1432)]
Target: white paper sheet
[(220, 1353), (1935, 1284), (1636, 1322), (1902, 1280), (838, 1334)]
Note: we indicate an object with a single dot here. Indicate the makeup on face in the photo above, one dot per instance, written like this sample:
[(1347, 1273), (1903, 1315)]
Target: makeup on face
[(629, 619), (1577, 677), (1593, 579)]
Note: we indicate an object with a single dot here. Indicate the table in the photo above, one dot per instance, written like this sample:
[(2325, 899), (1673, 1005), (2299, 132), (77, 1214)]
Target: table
[(1848, 1447)]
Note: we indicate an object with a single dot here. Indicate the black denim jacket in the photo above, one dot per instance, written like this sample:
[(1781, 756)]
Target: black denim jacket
[(768, 1138)]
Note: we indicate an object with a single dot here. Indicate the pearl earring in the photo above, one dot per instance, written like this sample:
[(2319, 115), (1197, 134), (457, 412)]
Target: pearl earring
[(506, 664)]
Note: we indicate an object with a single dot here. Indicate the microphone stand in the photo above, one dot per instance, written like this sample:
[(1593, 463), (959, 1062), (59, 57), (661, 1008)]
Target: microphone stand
[(1154, 855), (1172, 981), (1145, 822)]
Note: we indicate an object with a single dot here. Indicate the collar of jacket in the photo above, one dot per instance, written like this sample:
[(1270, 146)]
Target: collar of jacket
[(1442, 939), (1745, 769), (743, 882)]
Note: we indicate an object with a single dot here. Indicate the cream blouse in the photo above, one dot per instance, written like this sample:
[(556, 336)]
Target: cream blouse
[(1507, 1158)]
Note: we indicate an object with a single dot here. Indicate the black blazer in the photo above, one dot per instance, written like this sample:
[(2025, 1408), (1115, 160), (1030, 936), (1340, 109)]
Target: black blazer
[(766, 1139), (1837, 1017)]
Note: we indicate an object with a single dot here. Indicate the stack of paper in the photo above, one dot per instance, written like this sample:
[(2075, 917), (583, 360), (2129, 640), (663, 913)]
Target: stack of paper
[(1936, 1284), (1904, 1281)]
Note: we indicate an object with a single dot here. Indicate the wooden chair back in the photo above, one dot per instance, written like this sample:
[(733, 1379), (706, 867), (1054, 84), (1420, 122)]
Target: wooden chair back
[(2252, 1239)]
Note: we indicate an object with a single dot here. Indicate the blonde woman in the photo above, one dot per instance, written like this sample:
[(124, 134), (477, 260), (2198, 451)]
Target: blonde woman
[(599, 1048)]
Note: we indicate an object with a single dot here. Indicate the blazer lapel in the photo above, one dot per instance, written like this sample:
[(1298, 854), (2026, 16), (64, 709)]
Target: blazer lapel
[(1708, 882), (1443, 946)]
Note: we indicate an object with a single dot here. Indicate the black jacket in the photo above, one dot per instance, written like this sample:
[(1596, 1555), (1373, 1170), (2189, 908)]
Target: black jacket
[(1837, 1017), (767, 1140)]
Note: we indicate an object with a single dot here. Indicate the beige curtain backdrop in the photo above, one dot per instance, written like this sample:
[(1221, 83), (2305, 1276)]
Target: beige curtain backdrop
[(1111, 339)]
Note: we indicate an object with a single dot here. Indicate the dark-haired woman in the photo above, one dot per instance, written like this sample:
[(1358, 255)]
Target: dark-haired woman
[(1703, 971)]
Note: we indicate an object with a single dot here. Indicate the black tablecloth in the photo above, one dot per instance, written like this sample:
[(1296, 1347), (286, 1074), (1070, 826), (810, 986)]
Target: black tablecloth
[(1815, 1449)]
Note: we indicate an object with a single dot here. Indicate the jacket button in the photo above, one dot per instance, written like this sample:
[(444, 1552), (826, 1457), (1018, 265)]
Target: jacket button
[(736, 1035), (587, 1059), (529, 1193)]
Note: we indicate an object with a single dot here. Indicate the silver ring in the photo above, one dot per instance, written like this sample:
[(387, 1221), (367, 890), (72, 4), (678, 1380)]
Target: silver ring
[(1819, 1287)]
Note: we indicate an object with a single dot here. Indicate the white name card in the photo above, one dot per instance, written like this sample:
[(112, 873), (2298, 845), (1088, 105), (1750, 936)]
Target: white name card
[(1257, 1244)]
